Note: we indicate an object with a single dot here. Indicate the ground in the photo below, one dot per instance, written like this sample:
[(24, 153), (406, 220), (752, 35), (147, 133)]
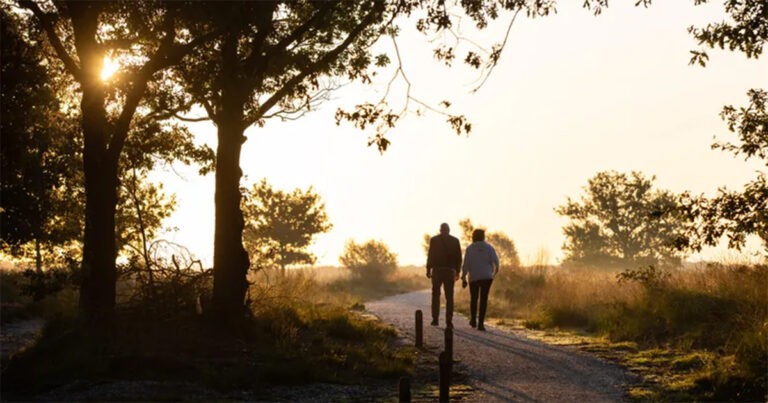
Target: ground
[(504, 364)]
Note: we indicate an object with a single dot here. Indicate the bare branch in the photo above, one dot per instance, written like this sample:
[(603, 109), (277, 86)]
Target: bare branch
[(497, 52)]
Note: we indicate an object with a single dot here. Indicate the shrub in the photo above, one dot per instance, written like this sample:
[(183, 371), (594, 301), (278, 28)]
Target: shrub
[(371, 259)]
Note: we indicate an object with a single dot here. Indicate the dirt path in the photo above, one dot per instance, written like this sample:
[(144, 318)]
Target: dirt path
[(506, 366)]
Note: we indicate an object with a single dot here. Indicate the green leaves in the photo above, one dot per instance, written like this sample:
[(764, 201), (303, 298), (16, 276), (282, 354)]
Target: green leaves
[(280, 226), (750, 124), (371, 259), (621, 220)]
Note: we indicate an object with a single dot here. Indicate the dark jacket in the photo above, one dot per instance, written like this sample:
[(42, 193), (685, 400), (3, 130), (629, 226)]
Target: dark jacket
[(444, 251)]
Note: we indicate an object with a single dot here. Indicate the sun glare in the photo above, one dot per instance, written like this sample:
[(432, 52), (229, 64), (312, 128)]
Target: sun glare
[(109, 68)]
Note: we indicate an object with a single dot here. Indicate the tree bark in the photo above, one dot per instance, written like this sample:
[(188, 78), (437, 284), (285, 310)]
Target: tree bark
[(98, 288), (230, 259)]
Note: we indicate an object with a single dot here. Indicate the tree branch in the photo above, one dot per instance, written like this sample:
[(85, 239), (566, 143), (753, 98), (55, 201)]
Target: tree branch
[(48, 25), (316, 66)]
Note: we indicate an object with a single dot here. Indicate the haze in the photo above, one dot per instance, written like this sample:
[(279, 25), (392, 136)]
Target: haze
[(573, 94)]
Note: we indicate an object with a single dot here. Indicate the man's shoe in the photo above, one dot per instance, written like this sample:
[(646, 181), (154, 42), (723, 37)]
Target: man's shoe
[(434, 322), (472, 323), (481, 328)]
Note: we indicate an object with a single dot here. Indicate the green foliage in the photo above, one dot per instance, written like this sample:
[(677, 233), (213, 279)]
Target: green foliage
[(621, 221), (501, 242), (280, 226), (746, 31), (648, 276), (371, 259), (735, 214), (40, 185)]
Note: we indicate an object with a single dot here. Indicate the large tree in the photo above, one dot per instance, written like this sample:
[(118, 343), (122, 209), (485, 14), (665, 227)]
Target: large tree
[(276, 58), (280, 225), (145, 38), (622, 221), (39, 180)]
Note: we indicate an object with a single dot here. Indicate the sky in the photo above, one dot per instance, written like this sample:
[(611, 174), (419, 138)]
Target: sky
[(572, 95)]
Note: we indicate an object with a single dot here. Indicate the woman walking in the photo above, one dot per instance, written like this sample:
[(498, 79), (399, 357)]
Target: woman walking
[(481, 263)]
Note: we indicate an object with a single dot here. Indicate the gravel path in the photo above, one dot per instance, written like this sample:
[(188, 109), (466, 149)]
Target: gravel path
[(505, 365)]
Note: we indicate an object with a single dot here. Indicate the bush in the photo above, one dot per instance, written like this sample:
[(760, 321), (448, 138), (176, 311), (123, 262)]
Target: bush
[(371, 260)]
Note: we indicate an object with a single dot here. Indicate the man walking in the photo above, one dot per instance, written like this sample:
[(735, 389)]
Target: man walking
[(443, 265)]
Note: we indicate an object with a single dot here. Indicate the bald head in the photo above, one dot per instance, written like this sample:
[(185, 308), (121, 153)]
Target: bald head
[(445, 229)]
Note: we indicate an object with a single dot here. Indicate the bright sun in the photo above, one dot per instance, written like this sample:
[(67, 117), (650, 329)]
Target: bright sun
[(110, 67)]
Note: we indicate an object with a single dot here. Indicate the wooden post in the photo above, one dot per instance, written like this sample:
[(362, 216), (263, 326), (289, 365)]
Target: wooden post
[(449, 342), (404, 390), (419, 328), (445, 376)]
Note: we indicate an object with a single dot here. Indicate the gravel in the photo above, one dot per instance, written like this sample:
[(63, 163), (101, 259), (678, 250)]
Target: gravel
[(504, 365)]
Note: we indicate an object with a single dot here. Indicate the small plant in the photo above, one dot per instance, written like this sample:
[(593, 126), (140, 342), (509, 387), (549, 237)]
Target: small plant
[(650, 276)]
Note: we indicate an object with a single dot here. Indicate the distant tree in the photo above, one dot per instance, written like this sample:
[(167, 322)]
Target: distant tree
[(280, 226), (622, 221), (501, 242), (505, 248), (372, 259), (425, 243)]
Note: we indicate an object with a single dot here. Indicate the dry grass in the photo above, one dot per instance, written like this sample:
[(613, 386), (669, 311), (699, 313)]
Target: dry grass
[(716, 311)]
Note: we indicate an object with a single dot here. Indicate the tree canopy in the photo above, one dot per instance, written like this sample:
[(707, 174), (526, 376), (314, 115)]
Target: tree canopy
[(622, 221), (280, 226), (371, 259)]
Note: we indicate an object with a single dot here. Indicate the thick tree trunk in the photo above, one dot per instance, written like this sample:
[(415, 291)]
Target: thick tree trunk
[(230, 260), (97, 289)]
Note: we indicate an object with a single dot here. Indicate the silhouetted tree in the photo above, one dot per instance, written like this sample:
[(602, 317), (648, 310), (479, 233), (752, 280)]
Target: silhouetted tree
[(622, 221), (280, 226), (40, 181), (370, 260), (146, 38), (279, 59), (731, 213)]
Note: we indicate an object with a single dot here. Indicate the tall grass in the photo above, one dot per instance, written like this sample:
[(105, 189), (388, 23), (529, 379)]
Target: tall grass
[(716, 308), (301, 330)]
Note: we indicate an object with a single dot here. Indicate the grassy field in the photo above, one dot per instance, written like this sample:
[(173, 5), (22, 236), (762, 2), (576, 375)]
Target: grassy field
[(699, 333), (306, 326)]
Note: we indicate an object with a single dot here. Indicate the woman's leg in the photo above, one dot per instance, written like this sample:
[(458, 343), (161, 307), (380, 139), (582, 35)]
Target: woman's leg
[(484, 288), (474, 288)]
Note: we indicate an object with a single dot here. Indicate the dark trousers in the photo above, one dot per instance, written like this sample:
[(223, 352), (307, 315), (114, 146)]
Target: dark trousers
[(443, 277), (479, 288)]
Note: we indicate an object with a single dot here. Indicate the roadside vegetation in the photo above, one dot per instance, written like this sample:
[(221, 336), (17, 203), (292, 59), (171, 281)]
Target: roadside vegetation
[(304, 325), (696, 333)]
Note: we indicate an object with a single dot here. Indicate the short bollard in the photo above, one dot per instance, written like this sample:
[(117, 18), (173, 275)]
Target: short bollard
[(419, 328), (445, 376), (449, 342), (404, 390)]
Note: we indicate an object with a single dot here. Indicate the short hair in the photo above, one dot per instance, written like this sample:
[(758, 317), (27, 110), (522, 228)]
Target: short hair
[(445, 228), (478, 235)]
